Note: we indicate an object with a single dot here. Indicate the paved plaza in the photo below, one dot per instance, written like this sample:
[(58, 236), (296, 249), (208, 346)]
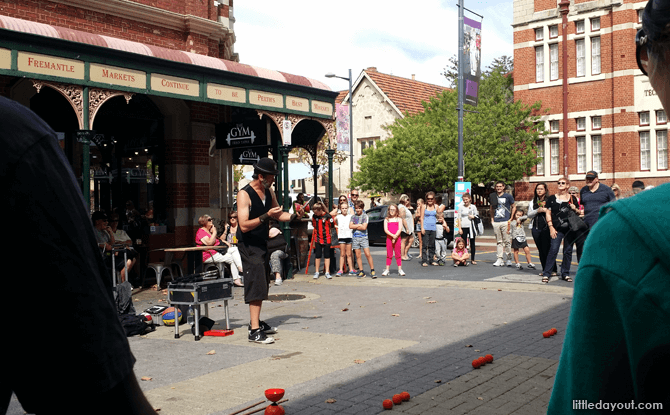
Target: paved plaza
[(346, 344)]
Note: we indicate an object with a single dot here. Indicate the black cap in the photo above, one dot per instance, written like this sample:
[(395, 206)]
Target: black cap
[(266, 166), (592, 175), (638, 184)]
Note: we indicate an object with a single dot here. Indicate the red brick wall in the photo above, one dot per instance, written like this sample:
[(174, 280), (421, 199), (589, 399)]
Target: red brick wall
[(183, 195), (100, 23), (205, 112), (541, 5), (620, 150)]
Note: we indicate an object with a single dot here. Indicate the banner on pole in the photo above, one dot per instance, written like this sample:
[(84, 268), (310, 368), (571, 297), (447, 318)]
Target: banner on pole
[(342, 125), (460, 188), (472, 53)]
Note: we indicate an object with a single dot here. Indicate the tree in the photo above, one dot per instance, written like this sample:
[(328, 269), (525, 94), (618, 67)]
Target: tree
[(504, 64), (451, 72), (304, 156), (499, 138)]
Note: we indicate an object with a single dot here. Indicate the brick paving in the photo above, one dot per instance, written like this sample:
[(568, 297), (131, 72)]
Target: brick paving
[(511, 385), (519, 381), (416, 334)]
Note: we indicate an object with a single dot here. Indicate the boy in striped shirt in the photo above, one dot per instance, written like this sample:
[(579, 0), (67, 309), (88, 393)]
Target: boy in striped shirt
[(322, 223)]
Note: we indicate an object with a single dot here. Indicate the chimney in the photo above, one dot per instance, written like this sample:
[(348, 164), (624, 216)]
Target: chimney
[(413, 77), (372, 69)]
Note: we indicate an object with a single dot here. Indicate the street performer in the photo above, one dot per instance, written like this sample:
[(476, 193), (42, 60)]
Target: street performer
[(256, 205)]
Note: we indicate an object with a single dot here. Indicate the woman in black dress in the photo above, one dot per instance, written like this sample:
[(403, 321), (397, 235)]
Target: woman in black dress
[(537, 212), (557, 218)]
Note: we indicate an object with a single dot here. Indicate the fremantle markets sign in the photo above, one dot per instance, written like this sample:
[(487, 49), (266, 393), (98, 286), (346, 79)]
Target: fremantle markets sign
[(22, 63)]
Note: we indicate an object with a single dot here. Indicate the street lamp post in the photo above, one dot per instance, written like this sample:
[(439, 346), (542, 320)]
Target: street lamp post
[(351, 124)]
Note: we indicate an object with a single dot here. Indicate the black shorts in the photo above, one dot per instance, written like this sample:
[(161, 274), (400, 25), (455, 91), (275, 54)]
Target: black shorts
[(345, 241), (255, 263), (518, 245), (321, 249)]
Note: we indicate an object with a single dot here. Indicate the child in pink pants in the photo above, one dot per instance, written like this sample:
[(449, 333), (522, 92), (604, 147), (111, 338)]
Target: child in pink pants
[(393, 227)]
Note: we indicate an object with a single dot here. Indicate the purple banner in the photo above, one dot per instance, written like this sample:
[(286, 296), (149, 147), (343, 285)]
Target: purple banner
[(342, 127), (472, 53)]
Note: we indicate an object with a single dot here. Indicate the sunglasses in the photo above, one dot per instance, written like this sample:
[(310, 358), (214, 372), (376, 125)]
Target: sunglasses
[(354, 194), (430, 198), (641, 51), (562, 182)]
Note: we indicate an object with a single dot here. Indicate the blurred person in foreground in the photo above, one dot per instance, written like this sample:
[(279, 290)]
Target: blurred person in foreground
[(91, 370), (617, 344)]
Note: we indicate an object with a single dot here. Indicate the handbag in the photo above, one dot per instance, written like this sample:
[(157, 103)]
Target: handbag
[(576, 223), (477, 226)]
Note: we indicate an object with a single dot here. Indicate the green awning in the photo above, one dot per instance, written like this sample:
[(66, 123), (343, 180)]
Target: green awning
[(51, 53)]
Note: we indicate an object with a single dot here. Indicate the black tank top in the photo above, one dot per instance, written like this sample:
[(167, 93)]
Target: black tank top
[(258, 235)]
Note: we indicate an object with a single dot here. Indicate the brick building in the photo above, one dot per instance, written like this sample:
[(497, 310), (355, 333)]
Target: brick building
[(615, 123), (157, 82)]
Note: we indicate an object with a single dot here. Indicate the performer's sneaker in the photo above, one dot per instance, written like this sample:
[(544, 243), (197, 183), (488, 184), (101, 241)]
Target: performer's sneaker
[(265, 328), (257, 336)]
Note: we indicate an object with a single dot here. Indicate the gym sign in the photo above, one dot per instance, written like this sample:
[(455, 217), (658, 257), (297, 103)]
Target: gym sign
[(241, 134), (249, 156)]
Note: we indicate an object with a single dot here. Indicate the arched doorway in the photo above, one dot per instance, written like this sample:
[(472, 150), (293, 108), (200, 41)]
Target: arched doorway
[(128, 159), (56, 111)]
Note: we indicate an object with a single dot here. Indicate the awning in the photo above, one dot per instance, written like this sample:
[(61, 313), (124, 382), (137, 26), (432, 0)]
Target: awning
[(53, 53)]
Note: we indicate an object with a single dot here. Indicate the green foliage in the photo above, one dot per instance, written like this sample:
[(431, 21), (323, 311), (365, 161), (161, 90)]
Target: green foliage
[(499, 138)]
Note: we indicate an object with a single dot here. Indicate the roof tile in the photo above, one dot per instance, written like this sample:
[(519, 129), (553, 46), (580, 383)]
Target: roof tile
[(406, 94)]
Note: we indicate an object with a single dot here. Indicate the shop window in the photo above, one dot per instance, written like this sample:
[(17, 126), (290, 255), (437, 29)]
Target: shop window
[(644, 118), (581, 154), (539, 148), (662, 149), (595, 24), (596, 123), (554, 155), (595, 55), (597, 150), (367, 144), (645, 150), (539, 64), (553, 58), (581, 57)]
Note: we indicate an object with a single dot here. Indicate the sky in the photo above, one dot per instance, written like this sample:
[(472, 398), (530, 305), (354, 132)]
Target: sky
[(312, 38)]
